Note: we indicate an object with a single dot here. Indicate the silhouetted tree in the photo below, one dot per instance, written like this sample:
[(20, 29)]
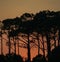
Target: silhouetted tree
[(7, 26), (40, 19), (26, 28), (12, 26)]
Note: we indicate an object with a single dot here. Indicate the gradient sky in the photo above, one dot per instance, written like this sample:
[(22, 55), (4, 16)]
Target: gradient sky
[(14, 8)]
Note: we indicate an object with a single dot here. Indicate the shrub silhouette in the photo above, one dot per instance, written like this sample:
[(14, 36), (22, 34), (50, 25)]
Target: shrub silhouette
[(39, 58), (2, 58), (13, 58), (55, 57)]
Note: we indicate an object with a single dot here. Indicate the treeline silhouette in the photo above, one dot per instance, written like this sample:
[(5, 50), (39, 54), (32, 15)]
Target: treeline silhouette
[(44, 23), (11, 58)]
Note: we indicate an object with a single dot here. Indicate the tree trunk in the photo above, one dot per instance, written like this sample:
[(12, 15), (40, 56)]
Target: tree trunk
[(38, 44), (54, 42), (48, 46), (14, 44), (59, 38), (9, 43), (1, 44), (18, 47), (28, 46), (9, 46), (43, 47)]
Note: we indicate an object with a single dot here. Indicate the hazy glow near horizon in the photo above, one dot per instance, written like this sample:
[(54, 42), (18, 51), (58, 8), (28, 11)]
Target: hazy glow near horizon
[(14, 8)]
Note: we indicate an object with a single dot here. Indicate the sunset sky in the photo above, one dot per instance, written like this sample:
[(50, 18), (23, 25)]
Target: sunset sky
[(14, 8)]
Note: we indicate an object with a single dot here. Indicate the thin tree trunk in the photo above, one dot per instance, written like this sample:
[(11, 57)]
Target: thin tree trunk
[(29, 59), (14, 44), (59, 38), (9, 47), (18, 47), (9, 44), (1, 44), (38, 44), (43, 47), (48, 46), (17, 44), (54, 42)]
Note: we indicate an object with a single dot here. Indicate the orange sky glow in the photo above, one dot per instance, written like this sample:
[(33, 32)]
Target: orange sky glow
[(23, 51)]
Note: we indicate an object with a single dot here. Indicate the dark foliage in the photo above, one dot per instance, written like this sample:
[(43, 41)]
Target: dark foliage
[(39, 58), (55, 55), (11, 58)]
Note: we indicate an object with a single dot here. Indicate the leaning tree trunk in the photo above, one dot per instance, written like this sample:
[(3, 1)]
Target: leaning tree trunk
[(18, 46)]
